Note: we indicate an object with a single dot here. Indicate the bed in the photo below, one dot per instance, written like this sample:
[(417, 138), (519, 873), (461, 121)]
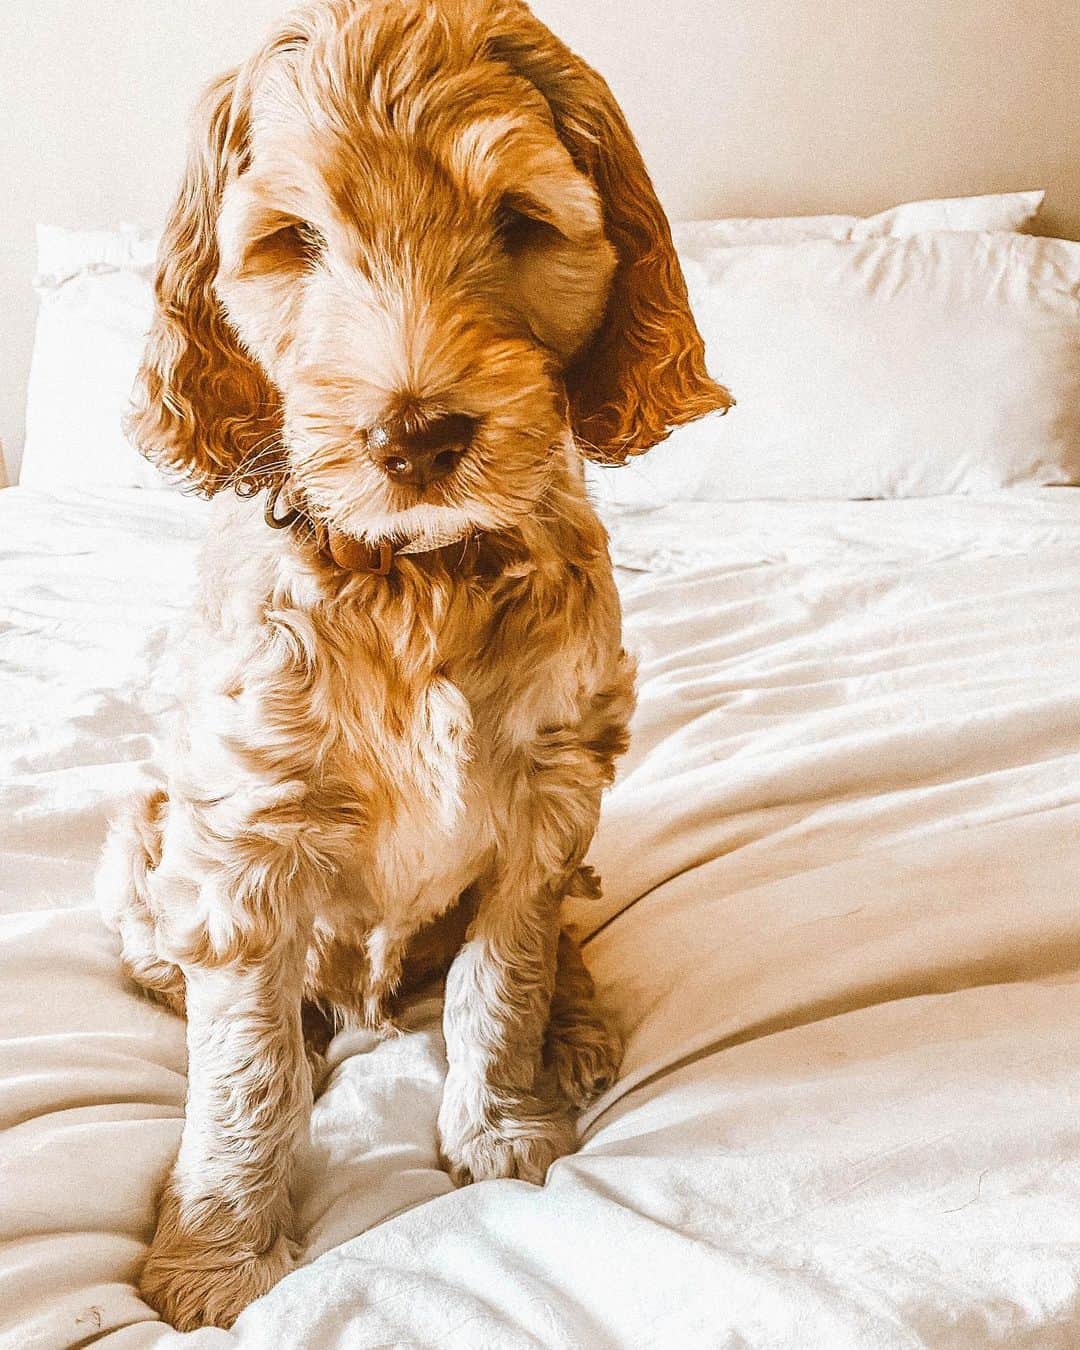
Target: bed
[(839, 927), (839, 931)]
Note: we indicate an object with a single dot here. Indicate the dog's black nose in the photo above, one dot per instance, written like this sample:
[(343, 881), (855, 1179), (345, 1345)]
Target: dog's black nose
[(418, 452)]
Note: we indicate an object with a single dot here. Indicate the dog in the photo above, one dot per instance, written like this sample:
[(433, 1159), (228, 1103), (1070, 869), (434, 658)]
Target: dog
[(415, 272)]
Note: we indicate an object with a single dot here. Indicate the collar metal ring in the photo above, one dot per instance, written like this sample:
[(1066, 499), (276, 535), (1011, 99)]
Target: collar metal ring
[(275, 521)]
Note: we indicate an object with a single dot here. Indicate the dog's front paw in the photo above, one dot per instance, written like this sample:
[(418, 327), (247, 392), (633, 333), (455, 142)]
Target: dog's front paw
[(522, 1145), (193, 1283)]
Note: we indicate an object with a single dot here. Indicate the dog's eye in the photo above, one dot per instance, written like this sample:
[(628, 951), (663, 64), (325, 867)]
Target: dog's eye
[(291, 244), (310, 239), (514, 227)]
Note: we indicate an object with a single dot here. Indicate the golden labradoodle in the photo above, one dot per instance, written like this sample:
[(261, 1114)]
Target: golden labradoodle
[(415, 271)]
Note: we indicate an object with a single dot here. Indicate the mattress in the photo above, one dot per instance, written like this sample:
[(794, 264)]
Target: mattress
[(840, 931)]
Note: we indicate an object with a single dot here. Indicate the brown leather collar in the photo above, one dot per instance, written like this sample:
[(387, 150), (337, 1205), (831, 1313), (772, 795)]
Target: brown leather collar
[(352, 555), (355, 556)]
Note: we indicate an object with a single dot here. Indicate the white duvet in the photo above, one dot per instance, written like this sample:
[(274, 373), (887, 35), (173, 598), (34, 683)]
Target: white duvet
[(840, 929)]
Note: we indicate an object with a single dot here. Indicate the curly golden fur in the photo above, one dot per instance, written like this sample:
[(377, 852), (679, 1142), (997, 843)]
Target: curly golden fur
[(397, 217)]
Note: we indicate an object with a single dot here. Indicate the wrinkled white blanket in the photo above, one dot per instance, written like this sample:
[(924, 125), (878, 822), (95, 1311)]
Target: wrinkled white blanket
[(841, 931)]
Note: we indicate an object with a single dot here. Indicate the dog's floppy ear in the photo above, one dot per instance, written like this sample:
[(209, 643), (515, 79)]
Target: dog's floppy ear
[(644, 372), (202, 405)]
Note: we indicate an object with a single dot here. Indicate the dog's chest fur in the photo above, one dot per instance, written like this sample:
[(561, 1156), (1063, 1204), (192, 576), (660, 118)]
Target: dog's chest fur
[(413, 752), (429, 729), (394, 718)]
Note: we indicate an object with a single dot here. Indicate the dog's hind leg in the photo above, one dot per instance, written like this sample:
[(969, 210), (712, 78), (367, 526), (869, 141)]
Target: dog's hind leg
[(582, 1047), (132, 851)]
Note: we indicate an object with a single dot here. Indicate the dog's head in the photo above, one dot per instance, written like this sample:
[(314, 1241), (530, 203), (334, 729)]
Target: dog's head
[(415, 240)]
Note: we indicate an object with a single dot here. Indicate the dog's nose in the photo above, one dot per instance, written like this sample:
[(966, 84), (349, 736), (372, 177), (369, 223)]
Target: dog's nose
[(418, 453)]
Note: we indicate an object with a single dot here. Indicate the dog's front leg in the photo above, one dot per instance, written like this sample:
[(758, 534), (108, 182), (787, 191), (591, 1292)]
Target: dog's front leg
[(501, 1114), (498, 1117), (223, 1233)]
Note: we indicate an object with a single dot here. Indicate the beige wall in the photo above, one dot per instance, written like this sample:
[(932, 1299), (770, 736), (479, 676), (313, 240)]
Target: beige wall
[(741, 106)]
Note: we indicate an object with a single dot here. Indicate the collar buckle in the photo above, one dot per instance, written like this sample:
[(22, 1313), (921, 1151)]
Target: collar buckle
[(386, 559)]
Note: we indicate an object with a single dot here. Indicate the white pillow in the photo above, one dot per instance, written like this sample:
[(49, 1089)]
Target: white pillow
[(894, 367), (999, 211), (96, 306)]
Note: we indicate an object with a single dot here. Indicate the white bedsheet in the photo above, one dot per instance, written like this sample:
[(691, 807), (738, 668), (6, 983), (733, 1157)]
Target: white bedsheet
[(841, 930)]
